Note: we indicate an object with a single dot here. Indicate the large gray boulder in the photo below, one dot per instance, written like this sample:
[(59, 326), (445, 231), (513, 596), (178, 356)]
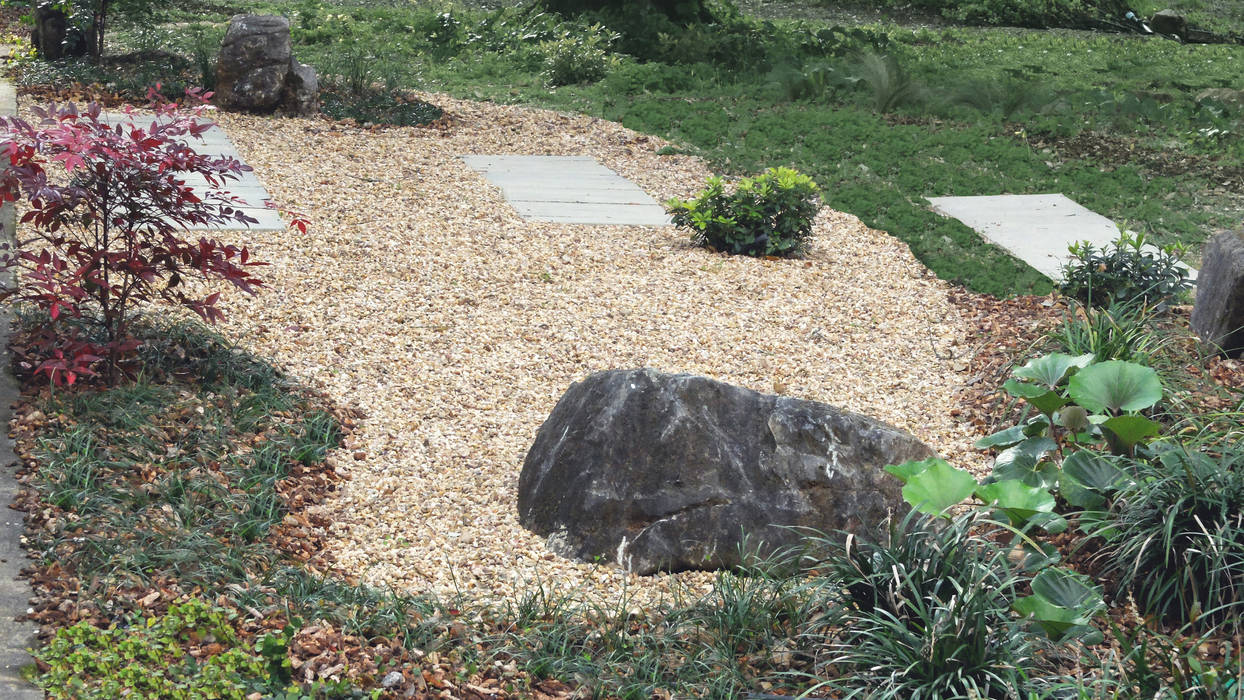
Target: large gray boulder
[(256, 70), (659, 472), (1218, 314)]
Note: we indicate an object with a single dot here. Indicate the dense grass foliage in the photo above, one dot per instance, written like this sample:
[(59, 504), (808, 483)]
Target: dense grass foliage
[(881, 116)]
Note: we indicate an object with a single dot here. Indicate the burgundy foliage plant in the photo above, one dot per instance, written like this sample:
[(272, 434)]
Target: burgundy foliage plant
[(110, 210)]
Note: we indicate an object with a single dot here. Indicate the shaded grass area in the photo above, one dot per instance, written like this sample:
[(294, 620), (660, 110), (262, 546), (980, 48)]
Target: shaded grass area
[(1113, 121), (192, 480)]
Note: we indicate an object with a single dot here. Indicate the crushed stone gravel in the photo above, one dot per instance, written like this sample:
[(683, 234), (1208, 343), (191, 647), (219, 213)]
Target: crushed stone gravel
[(422, 299)]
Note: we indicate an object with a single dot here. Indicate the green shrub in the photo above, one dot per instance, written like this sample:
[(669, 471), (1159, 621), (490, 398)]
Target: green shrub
[(1123, 273), (770, 214), (146, 659), (578, 57), (1176, 541), (925, 614)]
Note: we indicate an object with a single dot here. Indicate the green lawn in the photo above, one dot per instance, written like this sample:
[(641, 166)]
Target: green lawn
[(1112, 121)]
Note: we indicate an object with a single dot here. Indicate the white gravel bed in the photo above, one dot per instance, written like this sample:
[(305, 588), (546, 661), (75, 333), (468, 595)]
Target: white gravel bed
[(421, 298)]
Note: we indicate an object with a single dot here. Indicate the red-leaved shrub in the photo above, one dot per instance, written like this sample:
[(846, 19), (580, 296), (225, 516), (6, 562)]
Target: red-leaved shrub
[(111, 230)]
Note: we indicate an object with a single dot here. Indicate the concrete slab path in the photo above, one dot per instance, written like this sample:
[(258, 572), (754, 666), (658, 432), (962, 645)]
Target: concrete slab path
[(1036, 228), (569, 190), (215, 142)]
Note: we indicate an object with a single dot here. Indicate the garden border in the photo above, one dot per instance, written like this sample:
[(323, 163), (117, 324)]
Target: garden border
[(16, 638)]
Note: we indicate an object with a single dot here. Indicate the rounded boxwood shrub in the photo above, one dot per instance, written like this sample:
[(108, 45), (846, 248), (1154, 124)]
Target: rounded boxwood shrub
[(770, 214)]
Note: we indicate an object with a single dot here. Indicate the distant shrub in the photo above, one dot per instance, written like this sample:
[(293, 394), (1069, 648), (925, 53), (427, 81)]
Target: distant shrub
[(1124, 272), (770, 214), (578, 57)]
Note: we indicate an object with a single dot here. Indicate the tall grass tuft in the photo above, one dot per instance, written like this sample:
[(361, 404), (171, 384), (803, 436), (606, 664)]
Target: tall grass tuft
[(924, 614), (890, 86), (1177, 542)]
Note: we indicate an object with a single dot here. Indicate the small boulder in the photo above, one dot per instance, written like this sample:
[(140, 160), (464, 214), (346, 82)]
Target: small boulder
[(660, 472), (1169, 22), (1218, 314), (254, 62), (301, 88)]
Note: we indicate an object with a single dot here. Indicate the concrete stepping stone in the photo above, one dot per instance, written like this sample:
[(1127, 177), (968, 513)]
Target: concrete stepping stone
[(569, 190), (215, 142), (1036, 228)]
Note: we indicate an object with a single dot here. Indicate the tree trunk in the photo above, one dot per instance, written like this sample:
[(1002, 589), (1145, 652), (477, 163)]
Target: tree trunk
[(54, 39)]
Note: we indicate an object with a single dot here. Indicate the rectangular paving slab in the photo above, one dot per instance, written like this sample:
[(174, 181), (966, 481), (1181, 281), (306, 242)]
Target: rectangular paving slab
[(568, 190), (1036, 228), (215, 142)]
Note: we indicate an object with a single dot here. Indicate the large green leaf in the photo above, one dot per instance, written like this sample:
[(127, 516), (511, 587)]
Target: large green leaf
[(1050, 369), (1092, 471), (1115, 386), (1024, 462), (1044, 400), (1019, 501), (937, 487), (1002, 438), (906, 470), (1063, 603), (1034, 447), (1128, 430), (1039, 474)]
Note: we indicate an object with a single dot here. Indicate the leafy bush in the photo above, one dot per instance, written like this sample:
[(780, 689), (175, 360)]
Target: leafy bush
[(1124, 272), (926, 613), (112, 235), (578, 57), (1176, 541), (148, 658), (770, 214)]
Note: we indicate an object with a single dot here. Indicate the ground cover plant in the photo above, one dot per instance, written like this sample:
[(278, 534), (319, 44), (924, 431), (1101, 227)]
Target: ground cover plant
[(1137, 129)]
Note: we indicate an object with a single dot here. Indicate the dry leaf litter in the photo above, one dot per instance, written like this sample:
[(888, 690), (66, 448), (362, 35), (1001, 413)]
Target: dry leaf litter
[(422, 299)]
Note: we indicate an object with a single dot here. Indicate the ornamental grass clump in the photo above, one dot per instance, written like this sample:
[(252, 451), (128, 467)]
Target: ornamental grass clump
[(1175, 541), (109, 212), (924, 614), (770, 214)]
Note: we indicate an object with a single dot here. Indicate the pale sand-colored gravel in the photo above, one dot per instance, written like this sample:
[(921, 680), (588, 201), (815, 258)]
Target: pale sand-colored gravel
[(422, 299)]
